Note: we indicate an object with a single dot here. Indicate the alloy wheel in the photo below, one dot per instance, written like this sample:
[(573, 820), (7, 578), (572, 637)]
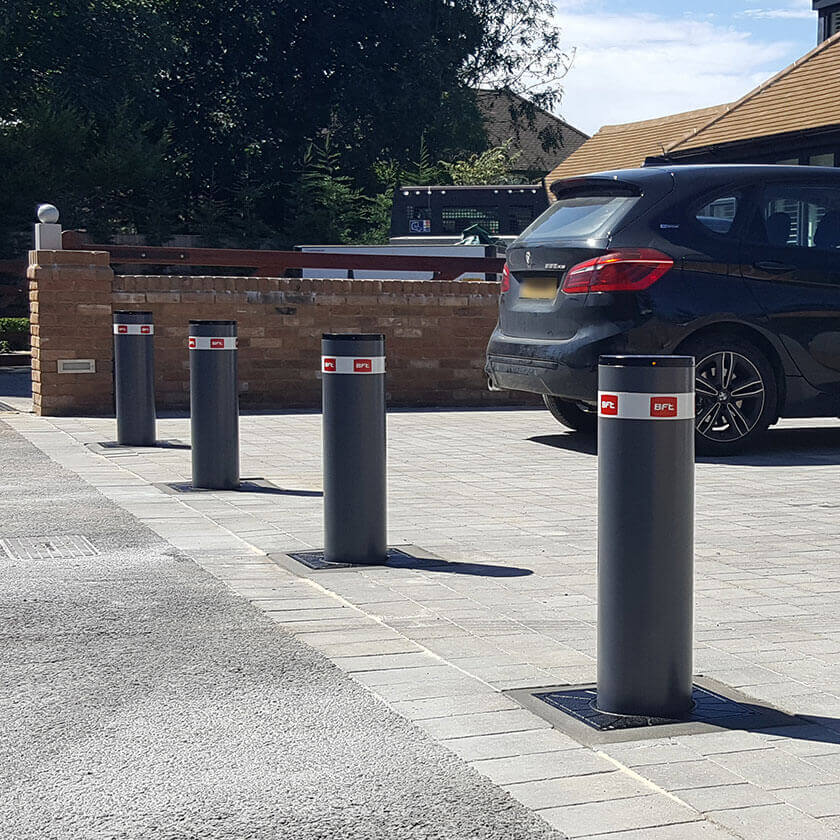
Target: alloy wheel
[(729, 396)]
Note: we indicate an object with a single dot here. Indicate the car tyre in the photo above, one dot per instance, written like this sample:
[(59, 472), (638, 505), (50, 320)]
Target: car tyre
[(736, 394), (571, 415)]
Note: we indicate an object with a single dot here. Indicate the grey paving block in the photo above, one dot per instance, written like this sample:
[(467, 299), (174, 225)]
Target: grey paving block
[(680, 775), (701, 830), (723, 797), (480, 747), (442, 707), (774, 769), (561, 762), (818, 801), (618, 815), (773, 821), (576, 790), (482, 723)]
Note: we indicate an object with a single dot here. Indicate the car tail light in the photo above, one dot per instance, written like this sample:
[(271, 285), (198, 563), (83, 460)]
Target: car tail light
[(627, 270), (505, 279)]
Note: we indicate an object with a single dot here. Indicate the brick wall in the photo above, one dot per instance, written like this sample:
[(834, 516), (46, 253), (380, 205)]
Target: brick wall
[(435, 333)]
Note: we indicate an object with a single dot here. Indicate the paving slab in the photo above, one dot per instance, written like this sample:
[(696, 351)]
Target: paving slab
[(509, 490)]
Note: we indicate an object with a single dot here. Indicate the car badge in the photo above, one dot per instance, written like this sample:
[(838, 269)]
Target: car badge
[(528, 258)]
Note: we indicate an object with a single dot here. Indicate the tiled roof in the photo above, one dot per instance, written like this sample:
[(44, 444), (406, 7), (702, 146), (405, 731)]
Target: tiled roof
[(627, 145), (804, 96), (495, 106), (801, 97)]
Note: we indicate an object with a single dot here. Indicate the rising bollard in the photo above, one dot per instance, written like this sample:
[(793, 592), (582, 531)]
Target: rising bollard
[(214, 405), (353, 373), (134, 378), (645, 535)]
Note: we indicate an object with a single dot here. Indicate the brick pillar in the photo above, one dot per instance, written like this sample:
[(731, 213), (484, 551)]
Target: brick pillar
[(70, 307)]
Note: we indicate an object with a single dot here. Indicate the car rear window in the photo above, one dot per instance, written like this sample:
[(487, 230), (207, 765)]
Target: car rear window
[(579, 216)]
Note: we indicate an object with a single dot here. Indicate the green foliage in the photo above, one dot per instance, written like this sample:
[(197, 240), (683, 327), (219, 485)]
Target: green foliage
[(193, 116), (325, 206), (14, 334), (490, 167)]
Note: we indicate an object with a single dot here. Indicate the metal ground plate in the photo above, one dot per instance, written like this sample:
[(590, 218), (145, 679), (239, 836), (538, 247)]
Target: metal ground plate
[(48, 548), (246, 485), (412, 557), (402, 557), (111, 447), (570, 709)]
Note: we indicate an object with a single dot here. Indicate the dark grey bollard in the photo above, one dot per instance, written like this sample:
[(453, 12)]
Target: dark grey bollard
[(214, 405), (645, 535), (353, 371), (134, 378)]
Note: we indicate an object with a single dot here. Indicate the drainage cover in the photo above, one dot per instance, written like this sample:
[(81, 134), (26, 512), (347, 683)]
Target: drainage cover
[(246, 485), (105, 446), (316, 560), (717, 707), (48, 548)]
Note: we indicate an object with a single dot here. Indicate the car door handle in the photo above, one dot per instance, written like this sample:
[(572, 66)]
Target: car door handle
[(773, 266)]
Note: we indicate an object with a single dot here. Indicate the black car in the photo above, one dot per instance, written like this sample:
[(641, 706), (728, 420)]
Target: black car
[(736, 265)]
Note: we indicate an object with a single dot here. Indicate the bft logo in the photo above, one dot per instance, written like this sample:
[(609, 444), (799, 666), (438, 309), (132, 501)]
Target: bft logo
[(329, 365), (217, 344), (609, 404), (362, 366), (192, 344), (122, 328), (663, 406), (145, 330)]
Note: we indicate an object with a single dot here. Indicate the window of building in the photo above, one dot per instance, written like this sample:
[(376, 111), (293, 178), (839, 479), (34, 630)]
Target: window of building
[(821, 160)]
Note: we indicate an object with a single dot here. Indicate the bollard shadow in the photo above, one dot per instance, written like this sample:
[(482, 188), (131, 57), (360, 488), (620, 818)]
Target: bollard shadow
[(570, 441), (402, 560), (260, 485)]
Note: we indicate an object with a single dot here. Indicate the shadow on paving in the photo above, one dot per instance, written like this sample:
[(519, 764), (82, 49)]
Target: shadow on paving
[(142, 699), (778, 448)]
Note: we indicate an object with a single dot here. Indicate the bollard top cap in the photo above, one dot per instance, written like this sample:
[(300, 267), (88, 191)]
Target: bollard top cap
[(647, 361), (353, 337)]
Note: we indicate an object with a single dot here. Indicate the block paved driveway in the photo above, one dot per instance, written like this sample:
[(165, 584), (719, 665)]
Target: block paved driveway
[(507, 489)]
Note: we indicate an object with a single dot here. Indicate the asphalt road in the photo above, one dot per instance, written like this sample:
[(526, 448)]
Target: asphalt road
[(140, 699)]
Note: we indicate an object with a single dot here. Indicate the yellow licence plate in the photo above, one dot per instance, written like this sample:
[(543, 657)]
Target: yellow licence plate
[(539, 288)]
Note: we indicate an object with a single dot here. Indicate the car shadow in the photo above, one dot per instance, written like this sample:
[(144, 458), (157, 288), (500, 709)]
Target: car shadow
[(781, 447), (786, 447), (570, 441)]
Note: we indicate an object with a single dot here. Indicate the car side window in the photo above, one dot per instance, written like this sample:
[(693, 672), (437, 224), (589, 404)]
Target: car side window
[(718, 214), (798, 216)]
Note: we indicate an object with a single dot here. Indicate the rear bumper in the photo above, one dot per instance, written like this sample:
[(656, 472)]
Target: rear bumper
[(567, 369)]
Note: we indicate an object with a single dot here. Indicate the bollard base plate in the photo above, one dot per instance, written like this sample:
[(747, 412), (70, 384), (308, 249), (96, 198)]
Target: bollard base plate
[(113, 447), (717, 707), (246, 485)]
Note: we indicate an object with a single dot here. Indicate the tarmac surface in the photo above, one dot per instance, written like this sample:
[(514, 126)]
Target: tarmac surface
[(143, 699)]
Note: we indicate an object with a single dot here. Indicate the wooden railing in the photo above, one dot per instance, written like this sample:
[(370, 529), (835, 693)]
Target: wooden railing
[(278, 263)]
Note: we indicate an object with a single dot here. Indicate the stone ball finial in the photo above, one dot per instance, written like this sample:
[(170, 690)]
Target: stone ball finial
[(47, 214)]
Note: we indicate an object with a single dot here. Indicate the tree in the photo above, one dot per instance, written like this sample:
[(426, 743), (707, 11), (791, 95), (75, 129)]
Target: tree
[(489, 167)]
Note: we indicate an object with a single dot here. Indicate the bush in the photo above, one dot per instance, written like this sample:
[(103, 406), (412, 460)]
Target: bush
[(14, 334)]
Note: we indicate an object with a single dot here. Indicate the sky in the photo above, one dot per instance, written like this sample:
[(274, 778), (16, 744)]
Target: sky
[(639, 59)]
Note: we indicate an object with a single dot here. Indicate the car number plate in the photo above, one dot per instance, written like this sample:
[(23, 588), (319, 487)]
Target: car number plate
[(539, 288)]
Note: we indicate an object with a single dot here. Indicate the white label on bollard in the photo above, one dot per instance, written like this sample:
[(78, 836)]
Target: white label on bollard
[(630, 406), (134, 329), (352, 364), (206, 342)]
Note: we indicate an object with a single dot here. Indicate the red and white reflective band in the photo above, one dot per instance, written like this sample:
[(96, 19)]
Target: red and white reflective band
[(352, 364), (206, 342), (134, 329), (630, 406)]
